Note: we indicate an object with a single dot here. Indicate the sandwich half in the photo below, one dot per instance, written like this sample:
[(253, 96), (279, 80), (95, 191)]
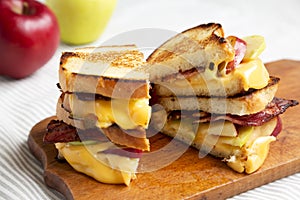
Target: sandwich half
[(103, 112), (214, 93)]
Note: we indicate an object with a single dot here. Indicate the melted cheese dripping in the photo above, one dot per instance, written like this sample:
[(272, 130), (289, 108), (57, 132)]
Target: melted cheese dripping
[(105, 168)]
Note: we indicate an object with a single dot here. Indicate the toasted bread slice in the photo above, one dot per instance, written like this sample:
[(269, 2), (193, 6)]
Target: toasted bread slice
[(243, 104), (194, 62), (135, 138), (111, 71), (195, 47)]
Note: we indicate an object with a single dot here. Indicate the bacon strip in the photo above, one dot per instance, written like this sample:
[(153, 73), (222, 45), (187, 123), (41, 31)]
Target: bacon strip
[(276, 107), (58, 131)]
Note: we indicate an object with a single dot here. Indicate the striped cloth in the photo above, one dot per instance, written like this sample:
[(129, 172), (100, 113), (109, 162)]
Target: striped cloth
[(25, 102)]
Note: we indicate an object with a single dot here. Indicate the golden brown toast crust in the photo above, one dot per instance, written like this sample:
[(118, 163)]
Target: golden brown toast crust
[(109, 87), (243, 104), (125, 81), (197, 46)]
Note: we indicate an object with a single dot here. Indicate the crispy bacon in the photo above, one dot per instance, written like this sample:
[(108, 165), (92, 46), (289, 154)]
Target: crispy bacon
[(58, 131), (276, 107), (273, 109)]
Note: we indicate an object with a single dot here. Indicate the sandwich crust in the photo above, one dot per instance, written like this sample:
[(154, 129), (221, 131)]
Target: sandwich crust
[(242, 104), (198, 46), (113, 71)]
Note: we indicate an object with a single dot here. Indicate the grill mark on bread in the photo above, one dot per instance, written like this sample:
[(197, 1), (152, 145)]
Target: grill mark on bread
[(189, 42), (64, 58), (124, 58), (109, 87), (272, 81), (105, 84)]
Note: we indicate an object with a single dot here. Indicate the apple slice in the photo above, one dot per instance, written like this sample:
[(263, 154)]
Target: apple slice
[(240, 47), (241, 139), (218, 128), (255, 46), (277, 128), (126, 152)]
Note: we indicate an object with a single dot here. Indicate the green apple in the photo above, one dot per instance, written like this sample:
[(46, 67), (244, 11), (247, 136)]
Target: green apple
[(218, 128), (241, 139), (255, 46), (82, 21)]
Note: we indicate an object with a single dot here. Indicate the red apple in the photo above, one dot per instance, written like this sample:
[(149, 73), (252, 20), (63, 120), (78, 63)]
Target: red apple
[(277, 128), (29, 36), (127, 152), (240, 48)]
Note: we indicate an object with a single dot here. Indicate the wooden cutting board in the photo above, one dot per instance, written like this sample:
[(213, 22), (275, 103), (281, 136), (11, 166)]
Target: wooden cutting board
[(188, 176)]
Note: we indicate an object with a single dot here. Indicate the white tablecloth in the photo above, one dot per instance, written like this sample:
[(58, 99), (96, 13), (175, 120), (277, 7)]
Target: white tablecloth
[(25, 102)]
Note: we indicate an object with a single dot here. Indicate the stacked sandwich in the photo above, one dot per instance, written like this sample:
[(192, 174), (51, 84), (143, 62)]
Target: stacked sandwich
[(103, 112), (217, 95), (211, 92)]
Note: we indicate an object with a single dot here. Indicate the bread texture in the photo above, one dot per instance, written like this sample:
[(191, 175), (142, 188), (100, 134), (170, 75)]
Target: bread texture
[(195, 47), (242, 104), (111, 71)]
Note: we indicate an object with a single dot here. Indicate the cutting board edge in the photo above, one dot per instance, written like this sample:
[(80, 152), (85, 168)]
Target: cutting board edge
[(54, 181)]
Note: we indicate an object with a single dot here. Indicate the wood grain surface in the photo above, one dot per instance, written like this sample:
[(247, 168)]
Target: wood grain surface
[(187, 176)]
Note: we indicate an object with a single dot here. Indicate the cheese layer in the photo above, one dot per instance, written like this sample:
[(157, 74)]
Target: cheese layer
[(128, 114), (245, 151), (105, 168), (250, 74)]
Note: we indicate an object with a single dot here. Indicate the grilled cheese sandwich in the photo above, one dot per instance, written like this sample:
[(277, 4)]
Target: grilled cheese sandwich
[(103, 112)]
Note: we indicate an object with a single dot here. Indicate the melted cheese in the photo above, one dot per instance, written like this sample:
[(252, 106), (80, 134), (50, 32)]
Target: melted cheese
[(250, 74), (105, 168), (255, 151), (246, 151), (128, 114), (253, 73)]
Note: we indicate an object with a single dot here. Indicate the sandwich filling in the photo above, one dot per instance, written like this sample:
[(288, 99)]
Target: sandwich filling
[(242, 141), (217, 95), (102, 113), (251, 74), (90, 152), (126, 113)]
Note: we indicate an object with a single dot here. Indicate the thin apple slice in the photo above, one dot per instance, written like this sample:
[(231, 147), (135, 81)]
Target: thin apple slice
[(255, 46), (277, 128), (240, 47), (218, 128), (241, 139)]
